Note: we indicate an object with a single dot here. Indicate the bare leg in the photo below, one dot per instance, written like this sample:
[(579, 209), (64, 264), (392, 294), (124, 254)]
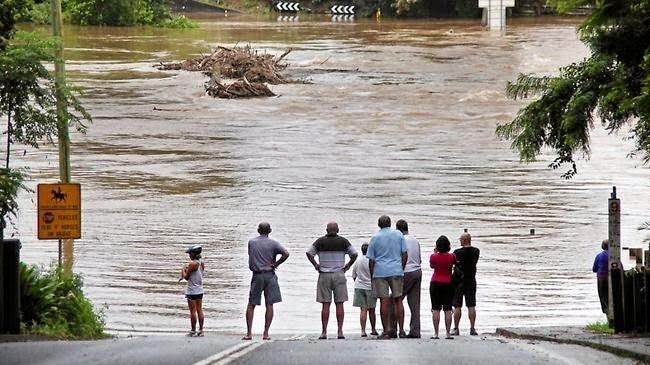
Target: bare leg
[(250, 310), (191, 304), (340, 315), (436, 322), (373, 321), (268, 318), (472, 316), (399, 313), (457, 314), (448, 322), (324, 319), (199, 313), (363, 315), (384, 309)]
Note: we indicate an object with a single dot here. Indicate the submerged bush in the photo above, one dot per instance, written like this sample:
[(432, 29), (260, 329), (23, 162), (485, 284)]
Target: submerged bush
[(123, 13), (53, 304), (177, 22)]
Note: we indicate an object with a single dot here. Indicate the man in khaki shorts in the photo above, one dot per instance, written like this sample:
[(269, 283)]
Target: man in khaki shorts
[(331, 250), (388, 254)]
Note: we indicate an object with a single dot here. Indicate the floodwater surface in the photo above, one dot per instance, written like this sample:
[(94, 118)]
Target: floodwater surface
[(394, 118)]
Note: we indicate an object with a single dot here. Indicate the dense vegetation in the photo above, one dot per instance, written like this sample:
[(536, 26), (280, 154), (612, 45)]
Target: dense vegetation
[(115, 12), (612, 87), (53, 304)]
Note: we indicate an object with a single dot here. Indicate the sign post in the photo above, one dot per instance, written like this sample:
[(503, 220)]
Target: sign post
[(615, 306), (59, 212), (496, 12)]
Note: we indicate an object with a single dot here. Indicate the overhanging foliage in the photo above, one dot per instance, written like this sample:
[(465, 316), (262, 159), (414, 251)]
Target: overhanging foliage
[(613, 85)]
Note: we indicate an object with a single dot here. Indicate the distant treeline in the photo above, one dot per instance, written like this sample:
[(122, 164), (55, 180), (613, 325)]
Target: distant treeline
[(101, 12), (388, 8)]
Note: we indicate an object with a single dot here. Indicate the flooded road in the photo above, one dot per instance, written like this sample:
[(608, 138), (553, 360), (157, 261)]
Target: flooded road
[(397, 118)]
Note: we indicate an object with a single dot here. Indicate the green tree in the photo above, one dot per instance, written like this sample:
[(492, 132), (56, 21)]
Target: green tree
[(612, 86), (28, 102), (117, 12)]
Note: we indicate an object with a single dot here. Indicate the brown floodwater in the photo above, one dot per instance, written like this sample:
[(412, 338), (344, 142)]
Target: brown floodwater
[(394, 118)]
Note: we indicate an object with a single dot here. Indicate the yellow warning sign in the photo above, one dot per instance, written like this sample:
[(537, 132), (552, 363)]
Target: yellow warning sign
[(59, 211)]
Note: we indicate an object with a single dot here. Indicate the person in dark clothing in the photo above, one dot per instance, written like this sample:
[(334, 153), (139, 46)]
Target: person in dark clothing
[(467, 257)]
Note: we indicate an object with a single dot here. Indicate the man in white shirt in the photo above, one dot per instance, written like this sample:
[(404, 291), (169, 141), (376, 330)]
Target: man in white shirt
[(412, 279)]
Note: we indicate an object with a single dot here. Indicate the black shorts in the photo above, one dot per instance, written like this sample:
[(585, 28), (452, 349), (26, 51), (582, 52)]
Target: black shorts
[(441, 296), (466, 289), (194, 296)]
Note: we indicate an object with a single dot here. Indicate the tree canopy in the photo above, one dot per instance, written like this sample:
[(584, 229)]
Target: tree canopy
[(612, 86)]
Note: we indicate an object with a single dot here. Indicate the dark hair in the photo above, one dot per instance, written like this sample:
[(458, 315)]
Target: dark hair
[(364, 248), (605, 244), (383, 221), (195, 255), (264, 228), (402, 226), (442, 244)]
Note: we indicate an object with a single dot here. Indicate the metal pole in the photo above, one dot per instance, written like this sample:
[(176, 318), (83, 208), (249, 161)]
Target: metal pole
[(60, 261), (62, 122)]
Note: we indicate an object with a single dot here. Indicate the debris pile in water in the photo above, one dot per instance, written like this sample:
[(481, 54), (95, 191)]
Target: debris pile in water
[(250, 69)]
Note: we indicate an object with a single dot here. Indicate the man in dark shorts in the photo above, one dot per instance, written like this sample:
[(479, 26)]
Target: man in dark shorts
[(467, 257), (262, 252), (331, 250)]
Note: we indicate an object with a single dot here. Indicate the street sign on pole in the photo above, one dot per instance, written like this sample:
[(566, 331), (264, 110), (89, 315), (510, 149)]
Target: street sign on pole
[(59, 211)]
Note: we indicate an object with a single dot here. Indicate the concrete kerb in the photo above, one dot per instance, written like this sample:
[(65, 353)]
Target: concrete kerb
[(593, 341)]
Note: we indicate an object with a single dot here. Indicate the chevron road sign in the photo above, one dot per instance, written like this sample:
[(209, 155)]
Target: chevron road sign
[(342, 9), (288, 18), (343, 17), (287, 6)]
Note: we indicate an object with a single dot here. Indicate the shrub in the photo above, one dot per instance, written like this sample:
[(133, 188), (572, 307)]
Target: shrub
[(178, 22), (53, 304)]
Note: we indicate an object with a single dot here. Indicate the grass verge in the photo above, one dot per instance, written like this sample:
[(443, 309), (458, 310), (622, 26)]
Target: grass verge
[(599, 327)]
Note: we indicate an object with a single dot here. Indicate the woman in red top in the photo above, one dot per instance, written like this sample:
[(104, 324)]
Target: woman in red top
[(440, 289)]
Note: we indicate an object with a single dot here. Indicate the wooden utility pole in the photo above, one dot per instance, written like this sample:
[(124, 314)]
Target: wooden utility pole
[(62, 121)]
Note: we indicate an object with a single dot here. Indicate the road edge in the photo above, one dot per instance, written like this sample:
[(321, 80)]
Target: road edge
[(598, 346)]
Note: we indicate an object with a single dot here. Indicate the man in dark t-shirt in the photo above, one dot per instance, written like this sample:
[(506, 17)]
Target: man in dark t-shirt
[(466, 257)]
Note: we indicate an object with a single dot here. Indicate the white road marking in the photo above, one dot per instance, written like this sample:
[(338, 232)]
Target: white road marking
[(295, 338), (230, 353)]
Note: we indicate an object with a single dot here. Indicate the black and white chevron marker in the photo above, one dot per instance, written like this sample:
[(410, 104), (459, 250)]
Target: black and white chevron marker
[(288, 18), (342, 9), (286, 6), (343, 17)]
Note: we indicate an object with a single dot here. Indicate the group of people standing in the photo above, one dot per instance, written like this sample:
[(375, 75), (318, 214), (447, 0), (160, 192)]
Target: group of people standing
[(389, 270)]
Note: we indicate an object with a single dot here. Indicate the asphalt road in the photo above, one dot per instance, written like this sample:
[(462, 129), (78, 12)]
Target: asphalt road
[(300, 349)]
